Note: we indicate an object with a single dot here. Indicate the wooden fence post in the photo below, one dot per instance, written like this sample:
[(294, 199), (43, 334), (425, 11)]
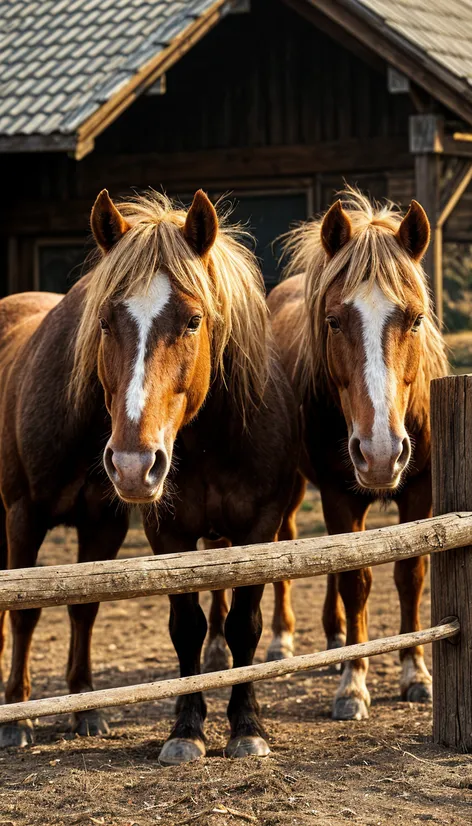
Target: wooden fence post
[(451, 572)]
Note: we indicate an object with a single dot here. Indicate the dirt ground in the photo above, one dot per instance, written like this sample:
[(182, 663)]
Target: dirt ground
[(383, 770)]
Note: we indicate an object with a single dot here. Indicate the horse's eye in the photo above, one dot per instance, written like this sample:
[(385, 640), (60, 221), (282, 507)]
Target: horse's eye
[(417, 323), (333, 323), (104, 325), (194, 323)]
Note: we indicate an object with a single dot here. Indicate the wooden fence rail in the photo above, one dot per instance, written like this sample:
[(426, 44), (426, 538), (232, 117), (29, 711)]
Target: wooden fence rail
[(105, 698), (230, 567)]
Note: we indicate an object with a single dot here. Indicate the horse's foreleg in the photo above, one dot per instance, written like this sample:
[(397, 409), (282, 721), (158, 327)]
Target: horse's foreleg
[(188, 627), (243, 630), (415, 681), (25, 533), (352, 698), (216, 657), (343, 513), (98, 539), (334, 617), (283, 621)]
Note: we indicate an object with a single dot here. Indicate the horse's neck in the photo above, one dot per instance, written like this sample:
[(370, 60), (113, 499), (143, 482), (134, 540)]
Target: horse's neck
[(222, 422), (58, 335), (220, 418)]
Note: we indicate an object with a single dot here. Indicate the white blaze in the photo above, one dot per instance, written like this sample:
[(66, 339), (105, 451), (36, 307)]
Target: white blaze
[(144, 309), (374, 309)]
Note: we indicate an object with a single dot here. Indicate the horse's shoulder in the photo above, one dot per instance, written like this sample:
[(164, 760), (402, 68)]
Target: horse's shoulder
[(286, 292)]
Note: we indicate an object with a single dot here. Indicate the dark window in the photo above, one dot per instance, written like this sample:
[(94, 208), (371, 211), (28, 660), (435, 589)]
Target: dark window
[(267, 217), (60, 265)]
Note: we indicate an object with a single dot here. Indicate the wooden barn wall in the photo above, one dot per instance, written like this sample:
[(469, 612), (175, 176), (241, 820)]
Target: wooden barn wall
[(267, 78), (265, 101)]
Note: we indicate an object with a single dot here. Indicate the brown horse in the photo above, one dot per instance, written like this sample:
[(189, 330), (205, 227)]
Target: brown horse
[(359, 343), (172, 316)]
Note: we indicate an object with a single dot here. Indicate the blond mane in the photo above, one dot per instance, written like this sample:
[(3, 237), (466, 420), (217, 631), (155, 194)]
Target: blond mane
[(231, 292), (372, 255)]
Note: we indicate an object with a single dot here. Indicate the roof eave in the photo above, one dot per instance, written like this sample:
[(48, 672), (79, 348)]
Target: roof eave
[(54, 142)]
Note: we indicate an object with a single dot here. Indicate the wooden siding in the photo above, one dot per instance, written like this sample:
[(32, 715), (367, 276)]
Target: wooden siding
[(267, 78)]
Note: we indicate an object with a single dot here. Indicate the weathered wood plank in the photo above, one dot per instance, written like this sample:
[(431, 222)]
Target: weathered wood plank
[(229, 567), (451, 573), (145, 692), (427, 174)]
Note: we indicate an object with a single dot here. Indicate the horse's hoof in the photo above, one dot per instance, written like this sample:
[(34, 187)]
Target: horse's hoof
[(216, 656), (338, 641), (282, 652), (419, 693), (350, 708), (280, 648), (19, 734), (181, 750), (90, 724), (247, 746)]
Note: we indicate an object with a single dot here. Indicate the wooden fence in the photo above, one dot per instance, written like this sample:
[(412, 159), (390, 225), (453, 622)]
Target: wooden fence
[(446, 537)]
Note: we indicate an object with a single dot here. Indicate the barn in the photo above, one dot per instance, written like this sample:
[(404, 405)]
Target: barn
[(270, 103)]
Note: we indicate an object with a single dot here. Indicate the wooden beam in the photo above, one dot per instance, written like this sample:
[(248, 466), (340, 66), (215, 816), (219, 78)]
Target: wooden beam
[(427, 193), (183, 172), (146, 692), (428, 143), (426, 133), (343, 156), (183, 573), (453, 190), (451, 573), (458, 147), (462, 136), (371, 30), (38, 143), (397, 82)]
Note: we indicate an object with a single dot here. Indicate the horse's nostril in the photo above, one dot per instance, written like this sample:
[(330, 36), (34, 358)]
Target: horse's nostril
[(159, 467), (108, 461), (356, 452), (404, 457)]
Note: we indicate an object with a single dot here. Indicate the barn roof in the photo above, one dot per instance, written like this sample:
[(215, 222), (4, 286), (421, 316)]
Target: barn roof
[(68, 68), (61, 61), (430, 41), (442, 29)]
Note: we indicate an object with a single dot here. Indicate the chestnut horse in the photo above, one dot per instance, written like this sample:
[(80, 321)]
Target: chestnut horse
[(172, 316), (355, 330)]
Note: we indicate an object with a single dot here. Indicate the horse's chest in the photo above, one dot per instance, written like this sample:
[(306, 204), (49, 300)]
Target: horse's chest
[(216, 502)]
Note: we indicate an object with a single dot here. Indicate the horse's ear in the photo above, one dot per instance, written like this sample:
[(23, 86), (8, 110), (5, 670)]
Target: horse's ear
[(201, 225), (108, 224), (336, 229), (414, 231)]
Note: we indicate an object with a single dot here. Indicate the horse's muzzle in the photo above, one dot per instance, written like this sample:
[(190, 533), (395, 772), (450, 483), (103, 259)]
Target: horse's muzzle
[(138, 476), (379, 469)]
